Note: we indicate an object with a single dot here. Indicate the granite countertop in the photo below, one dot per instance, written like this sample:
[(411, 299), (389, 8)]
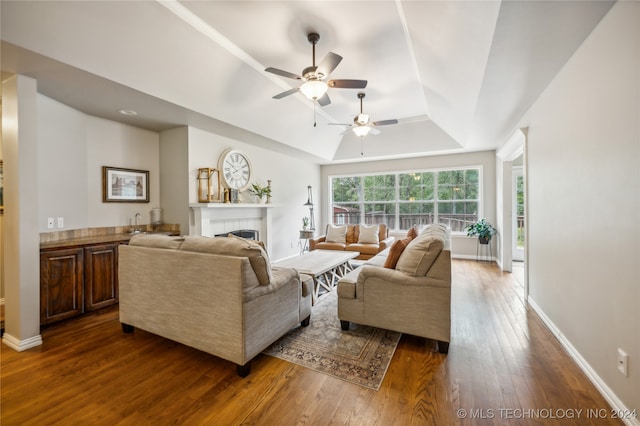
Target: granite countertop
[(83, 241), (85, 237)]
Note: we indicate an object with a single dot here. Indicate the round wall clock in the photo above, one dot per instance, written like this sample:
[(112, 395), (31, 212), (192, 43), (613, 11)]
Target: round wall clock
[(235, 169)]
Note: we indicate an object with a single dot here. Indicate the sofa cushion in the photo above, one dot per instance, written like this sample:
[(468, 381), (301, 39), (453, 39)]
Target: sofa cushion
[(395, 251), (419, 255), (439, 230), (233, 247), (330, 246), (368, 234), (370, 249), (255, 243), (156, 241), (336, 234)]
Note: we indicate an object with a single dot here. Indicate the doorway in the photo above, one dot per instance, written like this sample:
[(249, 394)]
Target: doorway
[(518, 217)]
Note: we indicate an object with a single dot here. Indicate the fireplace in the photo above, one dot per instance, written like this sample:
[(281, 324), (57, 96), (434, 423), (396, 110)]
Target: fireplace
[(249, 234), (221, 219)]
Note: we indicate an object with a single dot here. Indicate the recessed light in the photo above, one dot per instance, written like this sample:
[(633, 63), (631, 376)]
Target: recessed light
[(127, 112)]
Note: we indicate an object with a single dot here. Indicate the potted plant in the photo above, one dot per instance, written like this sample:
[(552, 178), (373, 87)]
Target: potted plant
[(260, 191), (305, 223), (483, 229)]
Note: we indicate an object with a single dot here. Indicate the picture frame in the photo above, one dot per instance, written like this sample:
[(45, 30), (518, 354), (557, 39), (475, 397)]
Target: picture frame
[(124, 185)]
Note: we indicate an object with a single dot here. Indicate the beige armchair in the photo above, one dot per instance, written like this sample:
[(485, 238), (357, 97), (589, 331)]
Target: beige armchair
[(413, 296)]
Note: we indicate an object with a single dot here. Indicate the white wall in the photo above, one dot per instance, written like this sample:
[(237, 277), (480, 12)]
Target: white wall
[(72, 148), (583, 162), (289, 180), (174, 177), (461, 245)]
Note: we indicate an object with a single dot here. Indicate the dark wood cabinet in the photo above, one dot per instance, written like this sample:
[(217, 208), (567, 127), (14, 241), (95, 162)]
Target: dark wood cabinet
[(100, 276), (77, 280), (61, 284)]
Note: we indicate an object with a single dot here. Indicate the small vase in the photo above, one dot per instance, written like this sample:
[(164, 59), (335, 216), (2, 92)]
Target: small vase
[(484, 240)]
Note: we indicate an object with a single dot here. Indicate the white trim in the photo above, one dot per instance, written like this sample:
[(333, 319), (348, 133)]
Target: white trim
[(513, 147), (21, 345), (602, 387), (485, 259)]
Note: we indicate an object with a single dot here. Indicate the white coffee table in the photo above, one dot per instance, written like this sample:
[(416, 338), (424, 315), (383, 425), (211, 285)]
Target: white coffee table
[(326, 267)]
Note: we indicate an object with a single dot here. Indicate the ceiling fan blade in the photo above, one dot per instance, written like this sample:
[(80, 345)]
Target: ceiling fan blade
[(374, 131), (329, 63), (385, 122), (324, 100), (346, 131), (283, 73), (348, 84), (286, 93), (340, 124)]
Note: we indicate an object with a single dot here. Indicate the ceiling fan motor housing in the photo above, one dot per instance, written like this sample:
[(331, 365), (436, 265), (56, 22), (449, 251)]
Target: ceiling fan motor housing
[(311, 73)]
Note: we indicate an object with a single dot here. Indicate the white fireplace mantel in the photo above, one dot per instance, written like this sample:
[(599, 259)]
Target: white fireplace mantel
[(219, 218)]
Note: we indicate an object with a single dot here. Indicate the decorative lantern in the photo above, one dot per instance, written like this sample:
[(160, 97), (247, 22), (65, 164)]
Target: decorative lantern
[(206, 192), (309, 203)]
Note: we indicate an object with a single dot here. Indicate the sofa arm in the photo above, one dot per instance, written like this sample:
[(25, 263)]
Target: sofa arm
[(386, 242), (281, 277), (314, 241)]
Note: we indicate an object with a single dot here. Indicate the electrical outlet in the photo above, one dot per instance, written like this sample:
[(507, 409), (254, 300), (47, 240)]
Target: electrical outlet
[(50, 223), (623, 360), (61, 222)]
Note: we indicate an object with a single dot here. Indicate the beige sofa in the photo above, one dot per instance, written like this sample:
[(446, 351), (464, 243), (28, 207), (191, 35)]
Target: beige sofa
[(349, 238), (412, 294), (219, 295)]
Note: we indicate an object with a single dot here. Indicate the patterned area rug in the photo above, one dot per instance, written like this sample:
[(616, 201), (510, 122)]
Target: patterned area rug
[(360, 355)]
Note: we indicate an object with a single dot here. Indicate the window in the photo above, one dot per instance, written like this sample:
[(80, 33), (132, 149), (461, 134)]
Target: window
[(401, 200)]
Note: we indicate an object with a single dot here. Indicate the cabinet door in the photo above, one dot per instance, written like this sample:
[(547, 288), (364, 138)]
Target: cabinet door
[(61, 282), (101, 276)]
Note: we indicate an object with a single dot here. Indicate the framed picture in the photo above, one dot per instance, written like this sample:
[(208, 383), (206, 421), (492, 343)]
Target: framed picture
[(124, 185)]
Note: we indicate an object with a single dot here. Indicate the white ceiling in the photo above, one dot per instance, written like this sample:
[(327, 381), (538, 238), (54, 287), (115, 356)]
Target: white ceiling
[(458, 75)]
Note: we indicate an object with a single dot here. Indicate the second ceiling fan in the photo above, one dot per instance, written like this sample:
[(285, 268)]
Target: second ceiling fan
[(362, 126), (314, 86)]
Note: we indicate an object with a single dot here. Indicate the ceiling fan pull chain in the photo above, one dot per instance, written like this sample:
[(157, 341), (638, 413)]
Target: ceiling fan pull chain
[(361, 146)]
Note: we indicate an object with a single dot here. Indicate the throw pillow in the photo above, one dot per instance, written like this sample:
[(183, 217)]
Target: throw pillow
[(419, 255), (413, 232), (256, 243), (395, 251), (336, 234), (233, 247), (156, 241), (369, 234)]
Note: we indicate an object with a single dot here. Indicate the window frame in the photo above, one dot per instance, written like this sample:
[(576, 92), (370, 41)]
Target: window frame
[(398, 202)]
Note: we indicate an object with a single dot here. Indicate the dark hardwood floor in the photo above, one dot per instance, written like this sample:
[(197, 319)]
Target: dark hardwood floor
[(503, 367)]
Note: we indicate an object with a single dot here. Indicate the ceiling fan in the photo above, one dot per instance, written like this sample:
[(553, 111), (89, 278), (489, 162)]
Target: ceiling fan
[(314, 85), (362, 126)]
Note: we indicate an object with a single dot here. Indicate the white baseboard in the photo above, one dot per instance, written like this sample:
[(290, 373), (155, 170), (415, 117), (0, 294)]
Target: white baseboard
[(473, 257), (21, 345), (602, 387)]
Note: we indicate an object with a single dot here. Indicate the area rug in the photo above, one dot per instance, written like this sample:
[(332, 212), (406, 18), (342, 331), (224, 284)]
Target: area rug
[(360, 355)]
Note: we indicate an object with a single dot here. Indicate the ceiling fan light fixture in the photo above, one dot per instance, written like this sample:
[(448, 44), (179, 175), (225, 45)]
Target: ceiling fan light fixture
[(361, 131), (314, 89), (362, 119)]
